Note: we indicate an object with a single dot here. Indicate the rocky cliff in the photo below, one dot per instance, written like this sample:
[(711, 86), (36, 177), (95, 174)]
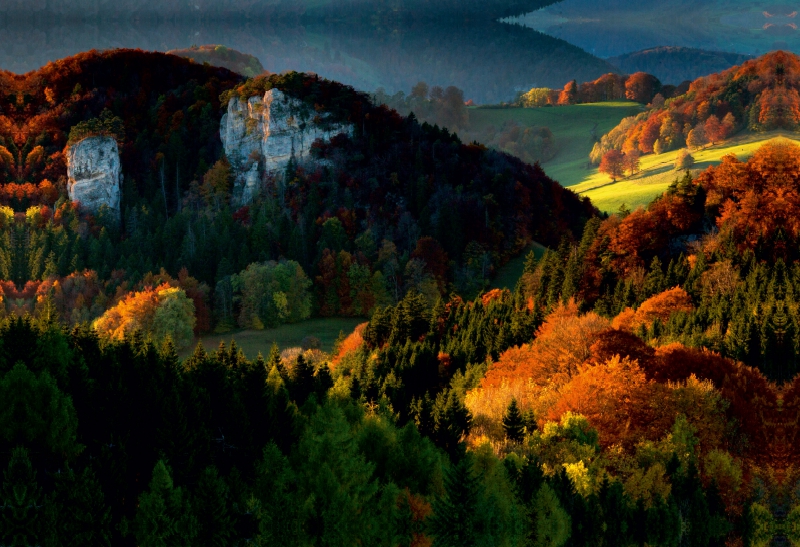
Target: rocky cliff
[(261, 135), (93, 170)]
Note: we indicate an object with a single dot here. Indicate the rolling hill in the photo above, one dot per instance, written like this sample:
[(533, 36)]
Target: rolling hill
[(674, 65), (731, 111)]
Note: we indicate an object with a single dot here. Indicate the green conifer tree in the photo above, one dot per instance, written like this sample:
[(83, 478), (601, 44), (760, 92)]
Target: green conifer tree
[(78, 510), (454, 522), (22, 516), (551, 523), (302, 383), (164, 517), (513, 423), (274, 360), (215, 522)]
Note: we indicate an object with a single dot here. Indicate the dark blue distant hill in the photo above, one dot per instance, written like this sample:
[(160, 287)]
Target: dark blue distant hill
[(674, 65)]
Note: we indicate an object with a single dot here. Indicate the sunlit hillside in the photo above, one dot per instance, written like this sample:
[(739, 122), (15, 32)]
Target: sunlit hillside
[(658, 172)]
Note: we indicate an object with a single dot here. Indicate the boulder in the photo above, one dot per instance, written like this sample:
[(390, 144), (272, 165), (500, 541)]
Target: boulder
[(262, 134), (93, 171)]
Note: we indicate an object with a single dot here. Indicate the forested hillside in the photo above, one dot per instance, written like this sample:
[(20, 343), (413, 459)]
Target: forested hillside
[(394, 207), (760, 95), (638, 387)]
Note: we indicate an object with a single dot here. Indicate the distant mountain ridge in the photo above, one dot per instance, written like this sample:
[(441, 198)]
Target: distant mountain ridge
[(225, 57), (674, 65)]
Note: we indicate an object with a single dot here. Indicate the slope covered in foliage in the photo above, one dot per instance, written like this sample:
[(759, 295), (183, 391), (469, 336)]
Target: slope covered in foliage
[(728, 238), (396, 206), (760, 95), (445, 421)]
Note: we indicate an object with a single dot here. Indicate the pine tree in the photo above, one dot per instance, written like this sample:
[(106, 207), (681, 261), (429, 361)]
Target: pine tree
[(551, 523), (513, 424), (22, 516), (215, 523), (164, 517), (572, 276), (529, 419), (81, 516), (455, 521), (274, 360), (530, 263), (323, 381), (302, 383), (452, 421)]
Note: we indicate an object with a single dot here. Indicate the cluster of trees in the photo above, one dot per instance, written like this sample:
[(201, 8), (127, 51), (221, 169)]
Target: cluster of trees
[(219, 55), (615, 163), (459, 371), (446, 421), (640, 87), (434, 105), (398, 206), (118, 443), (728, 238), (759, 95)]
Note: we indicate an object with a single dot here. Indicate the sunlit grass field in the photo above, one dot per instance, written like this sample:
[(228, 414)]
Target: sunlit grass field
[(571, 127), (253, 342), (658, 173)]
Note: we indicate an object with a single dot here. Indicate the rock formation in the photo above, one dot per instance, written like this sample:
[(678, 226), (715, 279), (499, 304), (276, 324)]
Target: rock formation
[(93, 170), (261, 135)]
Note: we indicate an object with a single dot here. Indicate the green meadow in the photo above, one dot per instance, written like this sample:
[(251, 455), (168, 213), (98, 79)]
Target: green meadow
[(571, 126)]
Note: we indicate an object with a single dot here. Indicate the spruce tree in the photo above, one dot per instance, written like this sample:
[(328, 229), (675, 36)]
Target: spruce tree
[(274, 360), (452, 421), (323, 381), (551, 523), (164, 517), (302, 384), (22, 519), (77, 508), (215, 523), (454, 522), (530, 263), (529, 419), (513, 424)]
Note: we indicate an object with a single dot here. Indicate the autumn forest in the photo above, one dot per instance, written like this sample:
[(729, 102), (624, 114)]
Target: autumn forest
[(637, 384)]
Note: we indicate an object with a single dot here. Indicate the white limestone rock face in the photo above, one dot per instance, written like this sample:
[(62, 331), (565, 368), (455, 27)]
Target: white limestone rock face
[(261, 135), (93, 170)]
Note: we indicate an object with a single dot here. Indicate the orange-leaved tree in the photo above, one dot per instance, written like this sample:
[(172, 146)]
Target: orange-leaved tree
[(160, 312), (613, 164)]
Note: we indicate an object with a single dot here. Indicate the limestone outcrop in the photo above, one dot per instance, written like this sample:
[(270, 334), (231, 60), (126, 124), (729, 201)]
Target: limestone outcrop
[(93, 171), (262, 134)]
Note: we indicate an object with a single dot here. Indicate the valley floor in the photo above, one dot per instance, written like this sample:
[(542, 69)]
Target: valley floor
[(572, 127), (253, 342)]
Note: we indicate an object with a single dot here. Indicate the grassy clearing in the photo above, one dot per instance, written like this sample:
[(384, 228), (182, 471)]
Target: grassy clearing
[(286, 336), (508, 275), (571, 127), (658, 173)]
